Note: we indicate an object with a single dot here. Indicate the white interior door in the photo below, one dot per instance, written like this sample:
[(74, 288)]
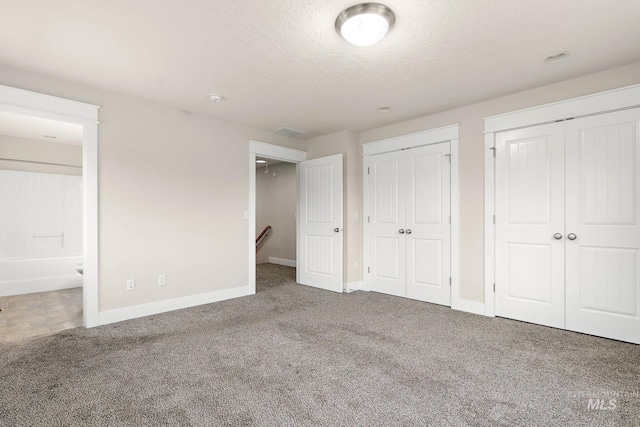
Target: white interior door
[(320, 223), (529, 275), (410, 234), (387, 209), (603, 223), (428, 230)]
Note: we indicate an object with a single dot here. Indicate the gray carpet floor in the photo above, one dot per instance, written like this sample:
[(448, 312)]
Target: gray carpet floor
[(297, 356)]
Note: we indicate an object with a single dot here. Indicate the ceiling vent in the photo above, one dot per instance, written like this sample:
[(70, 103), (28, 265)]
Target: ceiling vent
[(293, 133)]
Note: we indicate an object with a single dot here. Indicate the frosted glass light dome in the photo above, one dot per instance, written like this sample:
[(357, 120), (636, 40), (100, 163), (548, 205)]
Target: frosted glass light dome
[(365, 24)]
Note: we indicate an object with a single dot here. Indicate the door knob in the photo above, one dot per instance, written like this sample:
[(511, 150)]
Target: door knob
[(557, 236), (401, 231), (408, 231), (571, 236), (337, 230)]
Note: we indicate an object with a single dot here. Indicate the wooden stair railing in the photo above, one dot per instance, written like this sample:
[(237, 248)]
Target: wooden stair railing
[(262, 235)]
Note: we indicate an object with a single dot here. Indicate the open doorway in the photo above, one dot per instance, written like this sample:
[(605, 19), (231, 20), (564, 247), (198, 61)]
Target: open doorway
[(282, 161), (276, 206), (40, 225), (82, 189)]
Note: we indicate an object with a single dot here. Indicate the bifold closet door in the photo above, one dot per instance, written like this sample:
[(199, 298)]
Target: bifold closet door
[(603, 225), (529, 275)]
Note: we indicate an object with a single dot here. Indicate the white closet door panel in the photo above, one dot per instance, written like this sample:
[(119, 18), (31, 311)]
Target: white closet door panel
[(529, 211), (603, 202), (428, 232), (320, 226), (386, 219)]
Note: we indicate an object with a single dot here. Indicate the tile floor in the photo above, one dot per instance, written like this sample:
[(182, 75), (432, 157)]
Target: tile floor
[(43, 313)]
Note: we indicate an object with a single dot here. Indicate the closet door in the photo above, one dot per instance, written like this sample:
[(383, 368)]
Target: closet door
[(530, 225), (427, 228), (603, 225), (387, 244)]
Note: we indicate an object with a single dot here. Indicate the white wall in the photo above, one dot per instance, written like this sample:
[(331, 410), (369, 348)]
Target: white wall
[(471, 155), (173, 187), (276, 200)]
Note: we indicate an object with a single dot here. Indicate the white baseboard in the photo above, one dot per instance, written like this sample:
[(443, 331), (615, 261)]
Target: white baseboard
[(133, 312), (282, 261), (44, 284), (469, 306), (353, 286)]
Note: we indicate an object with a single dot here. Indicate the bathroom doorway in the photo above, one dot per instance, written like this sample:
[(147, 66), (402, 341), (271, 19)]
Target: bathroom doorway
[(41, 234), (37, 105)]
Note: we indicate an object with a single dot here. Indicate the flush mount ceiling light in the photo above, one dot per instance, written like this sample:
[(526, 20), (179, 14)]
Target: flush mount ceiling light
[(556, 57), (365, 24), (384, 109), (215, 97)]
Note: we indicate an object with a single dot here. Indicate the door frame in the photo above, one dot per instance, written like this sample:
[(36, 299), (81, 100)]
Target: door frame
[(275, 152), (583, 106), (51, 107), (429, 137)]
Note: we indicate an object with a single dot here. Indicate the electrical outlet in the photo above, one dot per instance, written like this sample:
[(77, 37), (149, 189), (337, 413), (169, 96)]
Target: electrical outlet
[(162, 280), (131, 284)]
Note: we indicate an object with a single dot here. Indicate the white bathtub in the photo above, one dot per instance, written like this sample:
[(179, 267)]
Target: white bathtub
[(38, 275)]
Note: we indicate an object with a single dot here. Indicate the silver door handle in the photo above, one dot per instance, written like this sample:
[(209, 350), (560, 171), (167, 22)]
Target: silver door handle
[(571, 236), (337, 230), (401, 231), (557, 236), (408, 231)]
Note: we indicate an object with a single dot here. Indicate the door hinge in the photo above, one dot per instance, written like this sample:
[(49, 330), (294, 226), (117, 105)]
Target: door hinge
[(494, 149), (368, 269), (494, 287), (368, 218), (368, 171), (449, 281), (494, 218), (449, 219)]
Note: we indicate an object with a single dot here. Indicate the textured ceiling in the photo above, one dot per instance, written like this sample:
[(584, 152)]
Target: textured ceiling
[(280, 63)]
